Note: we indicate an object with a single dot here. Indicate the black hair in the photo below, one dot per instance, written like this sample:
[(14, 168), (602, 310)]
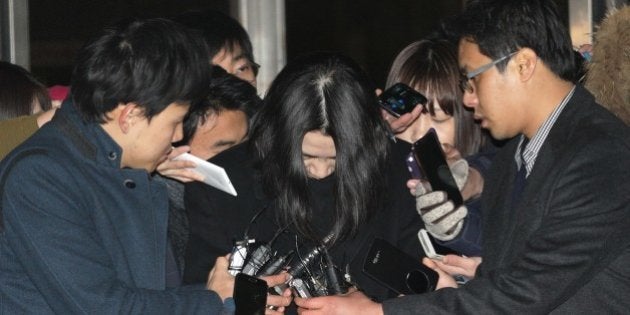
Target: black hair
[(329, 93), (152, 62), (501, 27), (220, 31), (19, 90), (225, 92)]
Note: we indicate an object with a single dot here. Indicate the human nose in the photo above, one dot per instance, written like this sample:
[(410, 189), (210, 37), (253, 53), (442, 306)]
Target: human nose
[(470, 99), (319, 169)]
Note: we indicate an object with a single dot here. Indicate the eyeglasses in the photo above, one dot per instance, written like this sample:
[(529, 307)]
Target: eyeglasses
[(464, 81)]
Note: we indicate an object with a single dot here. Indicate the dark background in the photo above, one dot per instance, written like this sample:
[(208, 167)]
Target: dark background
[(370, 31)]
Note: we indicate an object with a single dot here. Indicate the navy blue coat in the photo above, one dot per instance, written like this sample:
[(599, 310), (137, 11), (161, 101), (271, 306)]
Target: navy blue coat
[(82, 235), (565, 249)]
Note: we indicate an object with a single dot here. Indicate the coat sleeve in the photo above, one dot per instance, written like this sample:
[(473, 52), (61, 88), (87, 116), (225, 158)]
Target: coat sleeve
[(576, 250), (51, 240)]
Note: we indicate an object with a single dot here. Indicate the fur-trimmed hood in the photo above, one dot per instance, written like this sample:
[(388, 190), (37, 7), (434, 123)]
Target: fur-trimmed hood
[(608, 76)]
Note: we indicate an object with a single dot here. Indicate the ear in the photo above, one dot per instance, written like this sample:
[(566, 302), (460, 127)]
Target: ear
[(129, 115), (526, 61)]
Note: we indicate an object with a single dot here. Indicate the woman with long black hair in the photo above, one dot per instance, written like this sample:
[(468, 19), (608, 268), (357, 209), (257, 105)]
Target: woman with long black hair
[(316, 170)]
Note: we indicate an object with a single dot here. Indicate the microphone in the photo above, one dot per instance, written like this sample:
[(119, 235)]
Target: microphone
[(258, 258), (238, 255), (240, 249), (274, 266), (297, 267), (331, 275)]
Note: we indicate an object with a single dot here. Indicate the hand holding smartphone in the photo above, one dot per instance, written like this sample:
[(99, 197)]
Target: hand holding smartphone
[(400, 99), (428, 152)]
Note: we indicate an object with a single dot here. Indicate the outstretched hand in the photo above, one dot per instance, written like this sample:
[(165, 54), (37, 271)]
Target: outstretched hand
[(276, 303), (445, 280), (458, 265)]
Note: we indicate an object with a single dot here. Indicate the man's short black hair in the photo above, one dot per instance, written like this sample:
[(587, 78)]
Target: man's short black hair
[(226, 92), (152, 63), (220, 31), (501, 27)]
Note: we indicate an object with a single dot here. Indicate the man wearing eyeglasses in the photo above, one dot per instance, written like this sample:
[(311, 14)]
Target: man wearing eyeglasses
[(556, 203)]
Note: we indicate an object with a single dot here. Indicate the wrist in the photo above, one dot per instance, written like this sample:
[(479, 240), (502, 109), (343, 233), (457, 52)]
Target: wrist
[(473, 186)]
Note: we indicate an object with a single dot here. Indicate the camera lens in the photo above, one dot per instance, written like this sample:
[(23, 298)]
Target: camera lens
[(417, 281)]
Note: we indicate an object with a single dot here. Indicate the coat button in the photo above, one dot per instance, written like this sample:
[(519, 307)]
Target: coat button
[(130, 184), (112, 155)]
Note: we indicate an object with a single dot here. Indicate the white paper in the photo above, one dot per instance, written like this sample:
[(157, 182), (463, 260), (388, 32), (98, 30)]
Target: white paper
[(213, 174)]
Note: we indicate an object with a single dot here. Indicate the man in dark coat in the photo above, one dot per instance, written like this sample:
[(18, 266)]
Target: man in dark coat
[(83, 227)]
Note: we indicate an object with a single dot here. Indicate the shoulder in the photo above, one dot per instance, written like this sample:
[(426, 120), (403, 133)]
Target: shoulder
[(15, 131)]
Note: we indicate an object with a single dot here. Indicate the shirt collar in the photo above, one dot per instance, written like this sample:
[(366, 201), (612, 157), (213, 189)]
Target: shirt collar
[(532, 148)]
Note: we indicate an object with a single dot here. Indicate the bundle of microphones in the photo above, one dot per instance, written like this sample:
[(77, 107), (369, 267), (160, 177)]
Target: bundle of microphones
[(311, 271)]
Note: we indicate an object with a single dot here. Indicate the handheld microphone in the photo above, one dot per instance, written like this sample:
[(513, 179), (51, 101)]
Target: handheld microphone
[(238, 255), (297, 267), (331, 275), (258, 258), (240, 249), (274, 266)]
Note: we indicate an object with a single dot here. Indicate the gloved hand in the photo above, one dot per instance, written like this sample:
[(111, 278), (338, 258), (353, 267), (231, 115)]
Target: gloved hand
[(460, 169), (439, 214)]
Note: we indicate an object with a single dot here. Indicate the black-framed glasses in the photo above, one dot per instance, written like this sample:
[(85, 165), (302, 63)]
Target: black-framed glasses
[(464, 81)]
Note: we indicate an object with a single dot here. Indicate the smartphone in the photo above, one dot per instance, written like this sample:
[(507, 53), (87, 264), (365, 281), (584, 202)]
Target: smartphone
[(250, 295), (413, 167), (400, 99), (430, 156), (427, 246), (398, 270)]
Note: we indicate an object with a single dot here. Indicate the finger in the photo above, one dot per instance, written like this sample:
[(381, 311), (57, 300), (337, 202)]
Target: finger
[(309, 303), (181, 164), (444, 279), (222, 262), (446, 226), (177, 151), (184, 175), (459, 261), (422, 187), (430, 200), (449, 218), (169, 165), (434, 206), (275, 280), (401, 123), (278, 300), (411, 184), (386, 115)]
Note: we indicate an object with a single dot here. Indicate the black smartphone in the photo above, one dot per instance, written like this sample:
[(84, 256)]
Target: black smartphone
[(250, 295), (429, 154), (398, 270), (400, 99)]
